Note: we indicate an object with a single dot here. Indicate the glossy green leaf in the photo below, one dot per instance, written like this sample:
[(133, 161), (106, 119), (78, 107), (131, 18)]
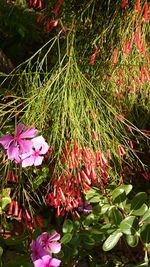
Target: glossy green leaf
[(132, 240), (89, 219), (138, 200), (76, 225), (145, 233), (67, 226), (140, 211), (105, 208), (115, 216), (66, 238), (146, 217), (129, 225), (127, 188), (112, 240), (118, 195)]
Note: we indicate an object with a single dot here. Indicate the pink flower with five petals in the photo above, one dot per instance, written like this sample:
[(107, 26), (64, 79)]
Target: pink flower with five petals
[(35, 155), (47, 261), (19, 143)]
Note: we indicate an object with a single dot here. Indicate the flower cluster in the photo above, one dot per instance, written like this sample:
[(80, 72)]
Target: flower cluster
[(42, 249), (24, 147), (84, 168)]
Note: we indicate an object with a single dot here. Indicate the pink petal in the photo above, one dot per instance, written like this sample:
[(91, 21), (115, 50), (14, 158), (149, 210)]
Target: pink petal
[(13, 151), (38, 263), (46, 259), (54, 237), (37, 250), (42, 239), (28, 161), (40, 144), (38, 160), (55, 247), (28, 132), (19, 128), (27, 155), (55, 262), (5, 140), (25, 146)]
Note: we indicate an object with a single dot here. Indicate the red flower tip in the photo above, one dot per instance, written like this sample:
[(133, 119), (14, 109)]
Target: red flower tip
[(93, 57)]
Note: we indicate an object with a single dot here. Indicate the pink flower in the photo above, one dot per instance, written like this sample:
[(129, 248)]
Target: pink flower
[(47, 261), (50, 241), (34, 156), (37, 250), (19, 143)]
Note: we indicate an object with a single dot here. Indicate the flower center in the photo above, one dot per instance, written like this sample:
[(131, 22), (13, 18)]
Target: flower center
[(36, 153)]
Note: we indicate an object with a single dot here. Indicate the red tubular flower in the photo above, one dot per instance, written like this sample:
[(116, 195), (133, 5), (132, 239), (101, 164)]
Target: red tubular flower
[(59, 4), (62, 195), (145, 16), (138, 44), (146, 73), (27, 215), (93, 174), (85, 178), (131, 144), (120, 78), (16, 209), (11, 206), (51, 24), (127, 50), (138, 7), (34, 3), (93, 57), (141, 76), (114, 60), (40, 18), (121, 151), (20, 214), (13, 177), (143, 49), (124, 3), (131, 41), (40, 5), (108, 154)]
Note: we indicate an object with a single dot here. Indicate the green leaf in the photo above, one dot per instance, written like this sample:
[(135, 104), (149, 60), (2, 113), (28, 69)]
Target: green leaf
[(129, 225), (115, 216), (138, 201), (118, 195), (94, 195), (1, 251), (5, 202), (66, 238), (105, 208), (145, 233), (5, 199), (127, 188), (140, 211), (87, 239), (76, 225), (132, 240), (146, 217), (112, 240), (38, 181), (89, 219), (67, 226)]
